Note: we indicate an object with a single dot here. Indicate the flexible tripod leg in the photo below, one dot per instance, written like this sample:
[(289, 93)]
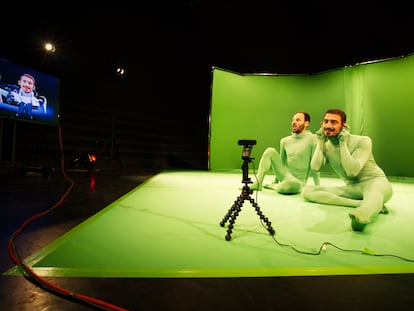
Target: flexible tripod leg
[(262, 216), (231, 216), (234, 211)]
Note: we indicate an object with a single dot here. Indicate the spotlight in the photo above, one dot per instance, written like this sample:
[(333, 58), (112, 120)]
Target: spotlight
[(49, 47), (120, 71)]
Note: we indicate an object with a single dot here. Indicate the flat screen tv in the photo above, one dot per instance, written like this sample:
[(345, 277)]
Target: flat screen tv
[(28, 95)]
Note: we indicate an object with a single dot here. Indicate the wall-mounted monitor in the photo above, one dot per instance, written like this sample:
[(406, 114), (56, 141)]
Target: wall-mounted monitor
[(28, 95)]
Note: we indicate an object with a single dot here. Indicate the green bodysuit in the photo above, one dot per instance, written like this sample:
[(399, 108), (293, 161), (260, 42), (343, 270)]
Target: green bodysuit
[(291, 167), (366, 186)]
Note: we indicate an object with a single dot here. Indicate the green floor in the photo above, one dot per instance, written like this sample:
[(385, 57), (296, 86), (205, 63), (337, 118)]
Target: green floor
[(169, 227)]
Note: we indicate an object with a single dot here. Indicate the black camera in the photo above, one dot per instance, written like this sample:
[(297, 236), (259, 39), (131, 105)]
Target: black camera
[(247, 142), (247, 149)]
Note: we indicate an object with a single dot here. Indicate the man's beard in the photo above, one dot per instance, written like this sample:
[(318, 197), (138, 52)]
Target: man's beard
[(298, 129)]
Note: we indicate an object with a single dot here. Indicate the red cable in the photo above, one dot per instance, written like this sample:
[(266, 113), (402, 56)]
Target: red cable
[(15, 257)]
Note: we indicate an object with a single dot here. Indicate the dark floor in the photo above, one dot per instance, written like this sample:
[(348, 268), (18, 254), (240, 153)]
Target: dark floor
[(25, 195)]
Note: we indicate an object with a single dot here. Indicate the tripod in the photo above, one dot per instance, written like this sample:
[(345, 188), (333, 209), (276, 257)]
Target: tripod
[(235, 209)]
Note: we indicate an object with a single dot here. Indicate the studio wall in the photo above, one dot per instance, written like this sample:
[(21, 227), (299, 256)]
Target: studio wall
[(377, 97)]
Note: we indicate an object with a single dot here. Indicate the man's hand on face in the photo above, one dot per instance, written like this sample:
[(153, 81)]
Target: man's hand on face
[(343, 135), (320, 134)]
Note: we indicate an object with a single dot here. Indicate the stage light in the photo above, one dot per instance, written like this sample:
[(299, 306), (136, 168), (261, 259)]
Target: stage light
[(49, 47), (120, 71)]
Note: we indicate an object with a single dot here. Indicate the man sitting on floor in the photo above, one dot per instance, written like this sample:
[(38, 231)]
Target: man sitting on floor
[(366, 186), (292, 166)]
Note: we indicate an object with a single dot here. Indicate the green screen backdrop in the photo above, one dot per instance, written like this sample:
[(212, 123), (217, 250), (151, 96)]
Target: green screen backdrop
[(378, 98)]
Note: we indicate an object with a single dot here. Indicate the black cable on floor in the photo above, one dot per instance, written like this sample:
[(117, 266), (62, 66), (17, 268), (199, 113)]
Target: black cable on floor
[(365, 251)]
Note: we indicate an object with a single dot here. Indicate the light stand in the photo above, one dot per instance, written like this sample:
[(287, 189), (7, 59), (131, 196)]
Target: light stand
[(235, 209), (110, 146)]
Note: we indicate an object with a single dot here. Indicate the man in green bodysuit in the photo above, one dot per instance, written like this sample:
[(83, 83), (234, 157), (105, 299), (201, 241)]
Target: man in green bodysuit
[(292, 166), (366, 186)]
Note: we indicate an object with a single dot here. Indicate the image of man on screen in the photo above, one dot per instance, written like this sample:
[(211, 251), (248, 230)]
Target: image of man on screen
[(25, 97)]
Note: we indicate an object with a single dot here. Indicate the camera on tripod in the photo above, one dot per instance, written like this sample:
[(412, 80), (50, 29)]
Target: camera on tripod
[(247, 149), (235, 209)]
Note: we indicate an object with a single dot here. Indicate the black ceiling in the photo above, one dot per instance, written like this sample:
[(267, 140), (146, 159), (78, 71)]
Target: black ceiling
[(286, 37)]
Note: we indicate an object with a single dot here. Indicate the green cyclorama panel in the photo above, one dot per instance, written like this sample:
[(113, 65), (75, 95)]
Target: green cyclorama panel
[(260, 107)]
